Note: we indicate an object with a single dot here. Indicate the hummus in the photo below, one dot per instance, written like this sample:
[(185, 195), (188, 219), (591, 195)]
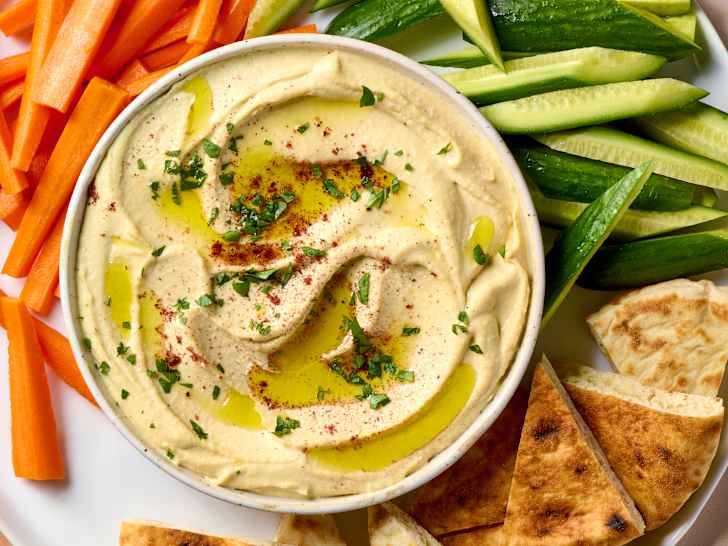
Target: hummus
[(302, 273)]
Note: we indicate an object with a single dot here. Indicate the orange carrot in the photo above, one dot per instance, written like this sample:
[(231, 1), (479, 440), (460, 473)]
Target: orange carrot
[(133, 71), (57, 292), (137, 86), (195, 51), (144, 20), (176, 29), (98, 106), (11, 95), (58, 355), (12, 181), (303, 29), (71, 54), (36, 450), (165, 56), (17, 17), (233, 17), (12, 208), (33, 118), (43, 278), (13, 68), (203, 25)]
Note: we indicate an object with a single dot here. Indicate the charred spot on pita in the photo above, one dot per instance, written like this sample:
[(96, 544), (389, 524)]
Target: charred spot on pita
[(617, 523), (545, 428)]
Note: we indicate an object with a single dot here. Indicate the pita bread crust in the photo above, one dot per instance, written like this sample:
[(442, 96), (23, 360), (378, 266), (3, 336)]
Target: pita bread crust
[(661, 458), (389, 525), (309, 530), (152, 534), (672, 335), (563, 491), (474, 491), (482, 536)]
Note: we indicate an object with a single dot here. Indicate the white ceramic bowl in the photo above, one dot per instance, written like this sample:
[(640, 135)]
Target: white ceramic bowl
[(444, 459)]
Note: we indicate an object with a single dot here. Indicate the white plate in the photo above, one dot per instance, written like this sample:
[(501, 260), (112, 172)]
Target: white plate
[(109, 481)]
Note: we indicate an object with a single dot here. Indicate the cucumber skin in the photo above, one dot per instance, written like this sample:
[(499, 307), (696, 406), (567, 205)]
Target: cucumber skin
[(554, 25), (470, 57), (578, 243), (373, 19), (572, 178), (631, 265), (323, 4)]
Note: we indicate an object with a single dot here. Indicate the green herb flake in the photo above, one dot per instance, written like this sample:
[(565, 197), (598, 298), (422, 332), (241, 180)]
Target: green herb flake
[(104, 368), (242, 287), (399, 153), (381, 159), (170, 454), (463, 317), (377, 401), (321, 393), (226, 178), (140, 165), (201, 434), (215, 392), (331, 189), (154, 188), (367, 97), (167, 376), (121, 349), (176, 197), (131, 359), (229, 127), (458, 328), (445, 149), (284, 425), (355, 195), (480, 257), (232, 236), (173, 153), (408, 167), (410, 331), (363, 291), (267, 142), (213, 216), (124, 394), (313, 252), (303, 127), (396, 184), (211, 149), (502, 251), (476, 349), (220, 368), (86, 342), (206, 300), (317, 171), (157, 252), (126, 325)]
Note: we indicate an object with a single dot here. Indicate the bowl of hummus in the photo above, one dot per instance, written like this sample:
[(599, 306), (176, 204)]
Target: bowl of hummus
[(302, 274)]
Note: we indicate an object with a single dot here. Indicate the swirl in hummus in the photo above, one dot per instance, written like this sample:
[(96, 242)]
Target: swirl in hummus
[(301, 272)]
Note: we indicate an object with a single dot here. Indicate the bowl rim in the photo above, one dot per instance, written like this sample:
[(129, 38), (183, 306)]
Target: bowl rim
[(440, 462)]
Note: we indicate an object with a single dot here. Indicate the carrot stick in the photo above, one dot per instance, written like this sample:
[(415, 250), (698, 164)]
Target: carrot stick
[(165, 56), (133, 71), (137, 86), (33, 118), (11, 95), (203, 25), (12, 181), (303, 29), (17, 17), (59, 356), (36, 450), (233, 17), (71, 54), (13, 68), (12, 208), (176, 29), (195, 51), (144, 20), (43, 278), (98, 106)]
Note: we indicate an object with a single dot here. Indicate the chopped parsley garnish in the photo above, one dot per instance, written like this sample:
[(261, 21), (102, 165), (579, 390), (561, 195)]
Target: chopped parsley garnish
[(395, 185), (140, 165), (261, 328), (317, 171), (201, 434), (399, 153), (211, 149), (176, 197), (410, 331), (445, 149), (124, 394), (226, 178), (313, 252), (258, 213), (303, 127), (382, 158), (408, 167), (181, 305), (363, 291), (220, 368), (232, 236), (131, 358), (463, 317), (378, 198), (376, 401), (242, 287), (215, 392), (331, 189), (229, 127), (284, 425), (213, 216), (86, 342), (170, 454), (121, 349), (355, 195), (321, 393), (206, 300), (476, 349), (480, 257), (167, 376), (157, 252), (173, 153), (108, 301), (267, 142), (190, 171), (502, 251), (154, 187), (126, 325), (104, 368), (221, 278), (367, 97), (233, 143), (459, 328)]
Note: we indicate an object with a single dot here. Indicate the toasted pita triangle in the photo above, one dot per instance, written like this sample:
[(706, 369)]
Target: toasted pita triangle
[(389, 525), (474, 491), (660, 444), (154, 534), (482, 536), (309, 531), (672, 335), (563, 491)]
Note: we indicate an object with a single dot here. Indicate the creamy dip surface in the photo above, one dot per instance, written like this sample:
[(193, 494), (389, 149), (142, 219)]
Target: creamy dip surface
[(301, 272)]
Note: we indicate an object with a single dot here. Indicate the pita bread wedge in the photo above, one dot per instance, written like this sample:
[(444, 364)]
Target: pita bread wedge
[(155, 534), (482, 536), (389, 525), (672, 335), (473, 492), (660, 444), (309, 531), (563, 491)]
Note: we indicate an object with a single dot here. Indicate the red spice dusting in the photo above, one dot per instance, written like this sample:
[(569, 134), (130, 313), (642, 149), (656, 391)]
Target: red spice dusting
[(275, 300), (289, 145), (172, 359), (112, 206), (409, 306), (331, 429), (307, 280), (245, 253), (93, 195), (327, 131), (196, 357)]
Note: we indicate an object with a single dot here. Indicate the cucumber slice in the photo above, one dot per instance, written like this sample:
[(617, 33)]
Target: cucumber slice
[(651, 261), (323, 4), (635, 224), (699, 128), (662, 7), (269, 15), (374, 19), (468, 57), (571, 108), (474, 18), (705, 196), (579, 242), (553, 71), (554, 25), (614, 146), (686, 25), (564, 176)]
